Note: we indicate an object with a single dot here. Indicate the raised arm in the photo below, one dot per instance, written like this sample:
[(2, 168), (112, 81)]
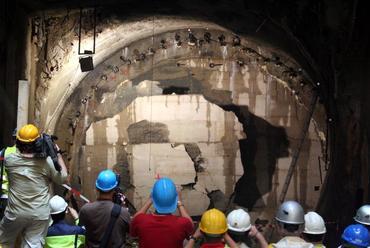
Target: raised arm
[(260, 239), (181, 207), (145, 207)]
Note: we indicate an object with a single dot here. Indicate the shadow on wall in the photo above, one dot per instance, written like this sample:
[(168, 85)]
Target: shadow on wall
[(260, 151)]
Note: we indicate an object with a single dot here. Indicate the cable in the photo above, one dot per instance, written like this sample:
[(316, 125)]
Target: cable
[(151, 103)]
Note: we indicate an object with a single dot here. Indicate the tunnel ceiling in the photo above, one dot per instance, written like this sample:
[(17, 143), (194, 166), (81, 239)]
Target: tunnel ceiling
[(175, 61)]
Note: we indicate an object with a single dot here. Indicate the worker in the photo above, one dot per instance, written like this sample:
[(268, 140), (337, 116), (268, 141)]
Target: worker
[(4, 185), (61, 234), (355, 236), (241, 230), (213, 230), (314, 229), (363, 216), (290, 220), (106, 223), (27, 213), (162, 228)]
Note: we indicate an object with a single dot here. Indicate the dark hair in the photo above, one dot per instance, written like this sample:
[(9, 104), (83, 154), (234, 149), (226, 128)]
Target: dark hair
[(238, 236), (25, 147), (313, 237), (210, 238), (58, 217), (291, 227)]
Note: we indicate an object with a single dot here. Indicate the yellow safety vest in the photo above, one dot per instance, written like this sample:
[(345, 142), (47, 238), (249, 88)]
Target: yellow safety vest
[(5, 186), (64, 241)]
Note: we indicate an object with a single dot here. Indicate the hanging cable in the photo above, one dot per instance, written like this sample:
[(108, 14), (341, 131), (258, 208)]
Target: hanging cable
[(151, 102)]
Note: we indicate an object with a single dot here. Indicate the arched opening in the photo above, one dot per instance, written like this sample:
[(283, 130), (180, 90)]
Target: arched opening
[(223, 117)]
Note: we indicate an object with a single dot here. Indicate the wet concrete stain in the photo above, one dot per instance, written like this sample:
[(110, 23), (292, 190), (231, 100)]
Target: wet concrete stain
[(144, 132)]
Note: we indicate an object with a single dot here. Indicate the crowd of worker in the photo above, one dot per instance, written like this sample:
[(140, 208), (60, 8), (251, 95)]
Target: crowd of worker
[(36, 219)]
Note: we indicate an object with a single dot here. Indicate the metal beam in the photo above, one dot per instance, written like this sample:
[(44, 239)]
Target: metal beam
[(293, 164)]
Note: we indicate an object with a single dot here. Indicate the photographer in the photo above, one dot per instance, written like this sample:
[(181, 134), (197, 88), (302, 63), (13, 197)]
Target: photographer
[(106, 223), (30, 176)]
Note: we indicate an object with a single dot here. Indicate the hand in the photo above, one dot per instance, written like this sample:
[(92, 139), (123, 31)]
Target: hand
[(179, 195), (197, 233), (73, 213), (253, 232)]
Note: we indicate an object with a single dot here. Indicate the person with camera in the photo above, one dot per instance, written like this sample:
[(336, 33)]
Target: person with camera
[(106, 222), (162, 228), (30, 175)]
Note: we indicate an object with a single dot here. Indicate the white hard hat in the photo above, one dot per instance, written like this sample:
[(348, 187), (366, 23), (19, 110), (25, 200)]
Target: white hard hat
[(57, 205), (363, 215), (239, 221), (290, 212), (314, 223)]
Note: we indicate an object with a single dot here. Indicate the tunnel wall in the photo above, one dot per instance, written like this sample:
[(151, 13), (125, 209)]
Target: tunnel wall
[(262, 96), (333, 33)]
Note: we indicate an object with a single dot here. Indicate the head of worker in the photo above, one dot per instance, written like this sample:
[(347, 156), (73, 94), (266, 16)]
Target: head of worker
[(314, 228), (363, 216), (105, 184), (164, 196), (290, 219), (238, 224), (213, 225), (58, 207), (26, 138), (355, 236)]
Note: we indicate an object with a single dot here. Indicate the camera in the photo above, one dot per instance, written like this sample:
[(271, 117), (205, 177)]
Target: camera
[(118, 196), (45, 146)]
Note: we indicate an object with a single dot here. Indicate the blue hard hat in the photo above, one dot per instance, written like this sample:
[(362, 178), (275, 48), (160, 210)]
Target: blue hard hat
[(164, 196), (356, 235), (106, 181)]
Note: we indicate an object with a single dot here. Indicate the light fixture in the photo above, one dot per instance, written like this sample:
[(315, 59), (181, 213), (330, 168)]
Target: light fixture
[(207, 37), (221, 40), (163, 44), (86, 62), (124, 60), (178, 40), (192, 39), (236, 41), (151, 51)]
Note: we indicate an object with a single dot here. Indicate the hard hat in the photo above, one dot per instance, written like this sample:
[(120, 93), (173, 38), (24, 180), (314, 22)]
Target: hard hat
[(363, 215), (164, 196), (57, 205), (239, 221), (28, 133), (290, 212), (314, 223), (356, 235), (106, 181), (213, 222)]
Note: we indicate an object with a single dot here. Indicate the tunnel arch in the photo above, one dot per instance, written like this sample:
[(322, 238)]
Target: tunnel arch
[(89, 89)]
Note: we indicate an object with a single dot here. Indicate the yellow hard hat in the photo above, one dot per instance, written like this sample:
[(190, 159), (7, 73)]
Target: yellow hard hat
[(28, 133), (213, 222)]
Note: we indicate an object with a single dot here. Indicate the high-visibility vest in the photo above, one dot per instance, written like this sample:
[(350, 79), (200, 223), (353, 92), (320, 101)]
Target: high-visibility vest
[(5, 185), (64, 241), (65, 236)]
